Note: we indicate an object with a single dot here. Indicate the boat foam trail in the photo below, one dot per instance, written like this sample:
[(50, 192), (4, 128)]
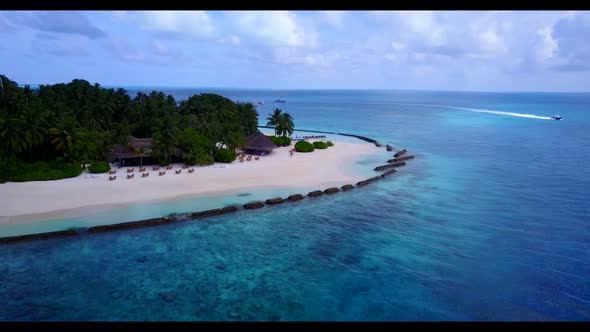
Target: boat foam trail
[(478, 110)]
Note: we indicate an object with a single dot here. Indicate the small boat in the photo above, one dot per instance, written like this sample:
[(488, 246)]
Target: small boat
[(279, 100), (556, 117)]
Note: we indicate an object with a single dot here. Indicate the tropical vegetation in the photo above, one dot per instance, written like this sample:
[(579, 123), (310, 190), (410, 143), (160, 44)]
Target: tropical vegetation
[(225, 156), (320, 145), (304, 146), (99, 167), (280, 140), (281, 122), (49, 131)]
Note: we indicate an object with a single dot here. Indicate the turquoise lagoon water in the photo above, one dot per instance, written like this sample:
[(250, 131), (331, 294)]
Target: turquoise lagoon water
[(489, 222)]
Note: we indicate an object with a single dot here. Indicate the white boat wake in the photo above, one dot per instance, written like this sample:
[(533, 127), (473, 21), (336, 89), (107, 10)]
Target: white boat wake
[(520, 115)]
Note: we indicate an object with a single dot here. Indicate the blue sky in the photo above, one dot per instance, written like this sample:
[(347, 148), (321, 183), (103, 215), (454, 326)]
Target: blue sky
[(440, 50)]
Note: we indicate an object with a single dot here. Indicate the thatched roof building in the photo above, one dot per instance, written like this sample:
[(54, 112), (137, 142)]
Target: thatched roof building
[(258, 142), (136, 148)]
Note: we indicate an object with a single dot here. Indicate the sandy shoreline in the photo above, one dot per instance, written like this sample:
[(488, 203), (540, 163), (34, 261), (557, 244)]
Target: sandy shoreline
[(21, 201)]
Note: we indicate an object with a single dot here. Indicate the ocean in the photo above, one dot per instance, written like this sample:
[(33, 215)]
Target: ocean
[(489, 222)]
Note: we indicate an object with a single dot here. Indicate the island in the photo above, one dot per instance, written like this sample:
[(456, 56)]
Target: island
[(78, 145)]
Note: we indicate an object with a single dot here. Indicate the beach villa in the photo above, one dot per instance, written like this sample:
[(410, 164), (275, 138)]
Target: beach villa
[(257, 143), (138, 151)]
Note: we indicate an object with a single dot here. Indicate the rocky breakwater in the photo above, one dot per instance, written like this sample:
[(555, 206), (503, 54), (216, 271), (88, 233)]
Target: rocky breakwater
[(315, 193), (295, 197), (253, 205), (399, 159), (389, 166), (274, 201)]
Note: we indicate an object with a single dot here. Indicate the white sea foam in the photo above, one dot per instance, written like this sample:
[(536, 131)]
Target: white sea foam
[(520, 115)]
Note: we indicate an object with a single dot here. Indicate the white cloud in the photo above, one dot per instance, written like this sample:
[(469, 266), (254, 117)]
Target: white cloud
[(333, 18), (296, 56), (160, 48), (489, 32), (126, 50), (547, 46), (419, 26), (196, 24), (491, 42), (276, 28), (120, 15), (232, 40)]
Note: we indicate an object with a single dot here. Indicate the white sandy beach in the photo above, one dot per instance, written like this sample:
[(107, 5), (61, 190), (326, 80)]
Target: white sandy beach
[(322, 167)]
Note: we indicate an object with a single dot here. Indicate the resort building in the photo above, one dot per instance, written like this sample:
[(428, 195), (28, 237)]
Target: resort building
[(138, 151), (257, 143)]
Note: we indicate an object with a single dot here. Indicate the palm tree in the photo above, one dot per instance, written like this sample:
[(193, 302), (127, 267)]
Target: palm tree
[(35, 128), (285, 125), (248, 117), (165, 136), (13, 135), (120, 133), (2, 86), (161, 151), (274, 119), (61, 139), (139, 153)]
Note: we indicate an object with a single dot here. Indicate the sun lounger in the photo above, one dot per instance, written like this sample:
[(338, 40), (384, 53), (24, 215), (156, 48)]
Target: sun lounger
[(192, 170), (178, 172), (156, 168), (112, 178), (130, 170), (145, 175), (161, 173), (130, 176), (113, 172)]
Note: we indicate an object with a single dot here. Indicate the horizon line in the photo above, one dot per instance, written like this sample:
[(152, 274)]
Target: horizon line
[(124, 86)]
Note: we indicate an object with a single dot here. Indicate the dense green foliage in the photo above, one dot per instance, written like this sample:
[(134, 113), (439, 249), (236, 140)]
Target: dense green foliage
[(8, 165), (320, 145), (197, 148), (79, 122), (329, 143), (280, 140), (42, 171), (282, 122), (99, 167), (304, 146), (225, 156)]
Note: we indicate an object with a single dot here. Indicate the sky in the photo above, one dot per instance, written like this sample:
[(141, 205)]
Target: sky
[(546, 51)]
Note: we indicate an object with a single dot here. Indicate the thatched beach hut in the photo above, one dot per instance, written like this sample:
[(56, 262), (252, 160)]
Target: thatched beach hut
[(137, 151), (258, 143)]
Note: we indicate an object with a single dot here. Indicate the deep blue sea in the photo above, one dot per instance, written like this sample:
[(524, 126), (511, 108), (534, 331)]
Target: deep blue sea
[(491, 221)]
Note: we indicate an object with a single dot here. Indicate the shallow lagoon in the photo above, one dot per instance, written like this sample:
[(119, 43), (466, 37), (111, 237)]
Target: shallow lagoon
[(488, 223)]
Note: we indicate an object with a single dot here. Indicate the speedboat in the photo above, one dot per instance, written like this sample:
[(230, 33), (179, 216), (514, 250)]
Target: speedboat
[(556, 117), (279, 100)]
